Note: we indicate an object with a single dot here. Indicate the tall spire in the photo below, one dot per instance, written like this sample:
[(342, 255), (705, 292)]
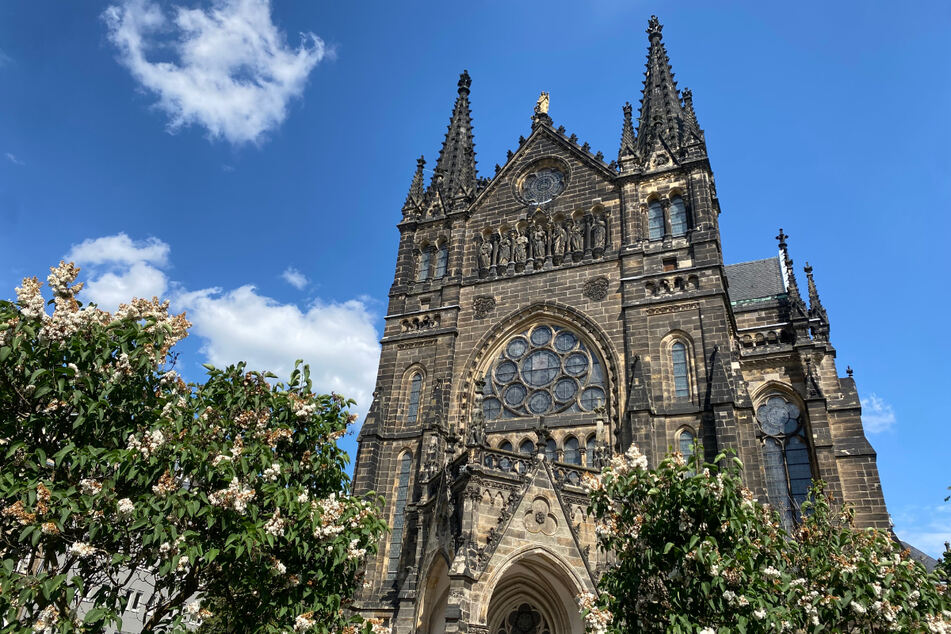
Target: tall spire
[(662, 113), (455, 173), (792, 288), (627, 134), (414, 199)]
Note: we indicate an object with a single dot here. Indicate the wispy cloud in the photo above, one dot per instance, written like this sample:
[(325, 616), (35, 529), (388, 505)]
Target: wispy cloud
[(295, 278), (925, 528), (13, 157), (232, 71), (337, 339), (877, 415), (5, 60)]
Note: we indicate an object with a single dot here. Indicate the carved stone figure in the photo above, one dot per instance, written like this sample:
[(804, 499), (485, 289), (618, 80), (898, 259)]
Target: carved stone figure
[(539, 238), (558, 240), (521, 248), (485, 254), (576, 237), (505, 251), (541, 106), (599, 233)]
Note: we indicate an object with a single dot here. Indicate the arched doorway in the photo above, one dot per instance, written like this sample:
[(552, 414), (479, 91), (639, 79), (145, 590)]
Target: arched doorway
[(535, 595), (432, 610)]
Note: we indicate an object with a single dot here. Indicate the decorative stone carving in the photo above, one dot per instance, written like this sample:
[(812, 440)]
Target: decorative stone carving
[(596, 289), (559, 242), (505, 252), (575, 235), (539, 240), (521, 247), (485, 254), (539, 518), (676, 308), (422, 322), (482, 305), (598, 233)]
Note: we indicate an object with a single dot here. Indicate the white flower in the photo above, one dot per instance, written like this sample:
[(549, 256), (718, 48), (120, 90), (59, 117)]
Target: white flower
[(275, 525), (707, 630), (304, 622), (125, 506), (857, 607), (272, 472), (81, 549), (759, 613), (89, 486)]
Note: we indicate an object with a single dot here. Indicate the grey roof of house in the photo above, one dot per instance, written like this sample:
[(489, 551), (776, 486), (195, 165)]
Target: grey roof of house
[(758, 279), (923, 558)]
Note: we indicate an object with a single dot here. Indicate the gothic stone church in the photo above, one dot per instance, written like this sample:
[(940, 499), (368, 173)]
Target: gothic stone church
[(544, 319)]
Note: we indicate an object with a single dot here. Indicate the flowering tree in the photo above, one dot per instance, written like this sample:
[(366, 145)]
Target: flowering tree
[(229, 493), (695, 552)]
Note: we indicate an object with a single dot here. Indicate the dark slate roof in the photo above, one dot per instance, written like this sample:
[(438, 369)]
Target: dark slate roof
[(759, 279), (923, 558)]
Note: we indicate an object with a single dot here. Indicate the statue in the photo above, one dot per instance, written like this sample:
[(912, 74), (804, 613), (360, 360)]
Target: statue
[(538, 241), (505, 251), (485, 254), (541, 106), (559, 239), (599, 232), (477, 419), (521, 247), (575, 235)]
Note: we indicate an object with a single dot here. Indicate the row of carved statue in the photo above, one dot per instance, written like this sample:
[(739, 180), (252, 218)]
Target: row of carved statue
[(542, 239)]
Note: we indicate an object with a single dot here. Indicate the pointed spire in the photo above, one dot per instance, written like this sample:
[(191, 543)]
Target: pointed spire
[(792, 288), (816, 309), (627, 133), (455, 173), (415, 197), (662, 113)]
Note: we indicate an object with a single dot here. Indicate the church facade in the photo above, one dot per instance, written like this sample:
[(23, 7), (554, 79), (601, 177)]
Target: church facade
[(543, 319)]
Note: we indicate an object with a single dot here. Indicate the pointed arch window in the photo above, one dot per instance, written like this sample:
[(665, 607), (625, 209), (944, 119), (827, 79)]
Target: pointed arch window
[(655, 220), (551, 450), (415, 387), (527, 447), (785, 457), (589, 451), (402, 490), (424, 260), (685, 442), (572, 451), (678, 358), (442, 260), (678, 216), (506, 446)]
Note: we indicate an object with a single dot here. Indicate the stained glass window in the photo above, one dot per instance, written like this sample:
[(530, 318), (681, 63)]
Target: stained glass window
[(678, 216), (416, 385), (423, 273), (687, 440), (678, 353), (396, 536), (589, 451), (655, 221), (545, 369), (786, 458), (572, 453), (442, 260)]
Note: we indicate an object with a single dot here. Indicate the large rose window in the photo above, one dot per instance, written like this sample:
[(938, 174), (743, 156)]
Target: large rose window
[(546, 369)]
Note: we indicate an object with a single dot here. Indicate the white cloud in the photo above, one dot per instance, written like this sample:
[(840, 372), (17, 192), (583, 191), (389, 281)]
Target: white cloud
[(925, 528), (10, 156), (5, 59), (338, 340), (121, 269), (232, 71), (295, 278), (877, 415)]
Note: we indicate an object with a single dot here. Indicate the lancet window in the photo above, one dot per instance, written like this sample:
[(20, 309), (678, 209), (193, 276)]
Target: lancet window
[(402, 489), (415, 386), (785, 456), (442, 260), (546, 369), (678, 216), (422, 274), (678, 358), (655, 220)]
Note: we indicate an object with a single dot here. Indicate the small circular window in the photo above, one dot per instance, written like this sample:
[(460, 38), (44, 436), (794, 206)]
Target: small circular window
[(542, 182)]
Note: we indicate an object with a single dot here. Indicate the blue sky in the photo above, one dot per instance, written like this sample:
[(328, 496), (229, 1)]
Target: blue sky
[(128, 142)]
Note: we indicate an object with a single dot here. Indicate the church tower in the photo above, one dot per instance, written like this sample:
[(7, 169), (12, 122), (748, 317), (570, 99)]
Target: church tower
[(542, 320)]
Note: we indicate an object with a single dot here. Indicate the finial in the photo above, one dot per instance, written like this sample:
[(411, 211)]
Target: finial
[(415, 195), (654, 28), (464, 82), (627, 133), (688, 98), (782, 239), (848, 370)]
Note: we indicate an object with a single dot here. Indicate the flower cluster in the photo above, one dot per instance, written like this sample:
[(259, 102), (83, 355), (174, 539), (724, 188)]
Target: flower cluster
[(236, 496), (275, 525), (596, 619), (151, 442)]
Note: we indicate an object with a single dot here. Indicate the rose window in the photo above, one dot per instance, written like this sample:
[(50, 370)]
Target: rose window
[(543, 185), (546, 369)]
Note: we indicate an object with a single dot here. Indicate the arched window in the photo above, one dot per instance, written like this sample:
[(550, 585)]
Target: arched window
[(785, 457), (685, 442), (551, 450), (544, 370), (678, 358), (572, 452), (505, 446), (423, 273), (527, 447), (589, 451), (442, 260), (415, 385), (678, 216), (402, 489), (655, 221)]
